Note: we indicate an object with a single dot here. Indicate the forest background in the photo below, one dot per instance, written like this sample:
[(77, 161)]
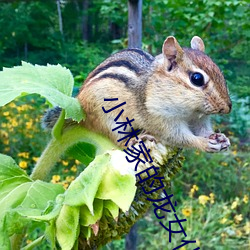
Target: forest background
[(212, 190)]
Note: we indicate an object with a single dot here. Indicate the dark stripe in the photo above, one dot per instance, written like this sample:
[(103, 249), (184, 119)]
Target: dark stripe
[(118, 77), (142, 53), (119, 63)]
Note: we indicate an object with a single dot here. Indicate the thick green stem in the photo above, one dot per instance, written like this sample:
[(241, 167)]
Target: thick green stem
[(57, 147)]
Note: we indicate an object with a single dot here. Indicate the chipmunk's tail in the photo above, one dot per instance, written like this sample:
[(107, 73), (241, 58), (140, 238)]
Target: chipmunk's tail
[(50, 117)]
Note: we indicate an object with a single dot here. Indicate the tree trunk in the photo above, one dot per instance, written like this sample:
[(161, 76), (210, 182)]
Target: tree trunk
[(59, 16), (135, 23), (131, 238), (85, 20)]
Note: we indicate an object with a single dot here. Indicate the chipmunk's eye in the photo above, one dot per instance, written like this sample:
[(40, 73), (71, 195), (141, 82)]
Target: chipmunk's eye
[(197, 79)]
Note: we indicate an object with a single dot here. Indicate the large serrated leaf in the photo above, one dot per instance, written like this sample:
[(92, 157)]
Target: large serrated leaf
[(39, 194), (53, 82), (21, 197)]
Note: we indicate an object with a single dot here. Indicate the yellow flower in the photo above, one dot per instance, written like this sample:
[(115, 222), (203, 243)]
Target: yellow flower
[(24, 155), (247, 228), (12, 105), (6, 141), (28, 241), (70, 178), (245, 199), (238, 159), (14, 123), (23, 164), (203, 199), (238, 218), (223, 220), (198, 243), (6, 113), (211, 195), (4, 134), (55, 178), (35, 159), (29, 124), (77, 162), (224, 164), (235, 203), (23, 107), (6, 149), (73, 168), (187, 211), (238, 233), (234, 152), (192, 190), (65, 163), (223, 235)]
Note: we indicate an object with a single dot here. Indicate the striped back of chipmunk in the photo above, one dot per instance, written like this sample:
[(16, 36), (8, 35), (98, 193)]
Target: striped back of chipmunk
[(123, 66)]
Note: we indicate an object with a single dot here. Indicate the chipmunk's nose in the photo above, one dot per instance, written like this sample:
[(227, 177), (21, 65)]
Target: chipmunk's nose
[(226, 109)]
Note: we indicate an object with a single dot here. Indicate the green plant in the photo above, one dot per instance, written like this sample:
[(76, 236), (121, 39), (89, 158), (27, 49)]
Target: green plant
[(98, 205)]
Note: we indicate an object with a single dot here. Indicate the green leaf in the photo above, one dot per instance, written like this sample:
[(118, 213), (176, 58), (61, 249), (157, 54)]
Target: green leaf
[(39, 194), (50, 213), (67, 226), (53, 82), (83, 152), (4, 240), (118, 188), (118, 183), (111, 207), (86, 231), (9, 168), (9, 184), (25, 203), (14, 198), (50, 234), (83, 189), (86, 218), (20, 198)]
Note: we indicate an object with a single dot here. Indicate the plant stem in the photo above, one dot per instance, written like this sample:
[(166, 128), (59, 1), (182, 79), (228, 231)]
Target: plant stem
[(57, 147)]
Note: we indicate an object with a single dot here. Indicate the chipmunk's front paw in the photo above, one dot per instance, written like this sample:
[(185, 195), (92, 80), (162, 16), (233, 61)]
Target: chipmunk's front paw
[(141, 137), (217, 142)]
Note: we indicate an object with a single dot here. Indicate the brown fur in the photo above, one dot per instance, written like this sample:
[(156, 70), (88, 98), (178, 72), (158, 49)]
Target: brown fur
[(158, 95)]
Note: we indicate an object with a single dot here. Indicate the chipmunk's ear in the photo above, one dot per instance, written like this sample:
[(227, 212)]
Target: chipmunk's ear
[(171, 49), (197, 43)]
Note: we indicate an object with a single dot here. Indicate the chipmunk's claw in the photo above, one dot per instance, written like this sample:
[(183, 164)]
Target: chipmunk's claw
[(141, 137), (218, 142)]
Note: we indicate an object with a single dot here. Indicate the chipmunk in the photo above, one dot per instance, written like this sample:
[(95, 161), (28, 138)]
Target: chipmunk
[(170, 96)]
